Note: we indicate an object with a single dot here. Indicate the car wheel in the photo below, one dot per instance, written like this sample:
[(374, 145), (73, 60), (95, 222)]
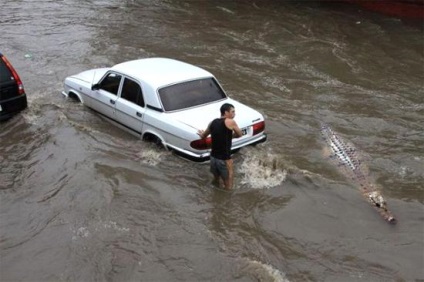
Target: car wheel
[(154, 139), (74, 97)]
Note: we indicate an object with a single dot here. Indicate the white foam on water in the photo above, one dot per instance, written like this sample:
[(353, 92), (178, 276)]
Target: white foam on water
[(36, 100), (264, 272), (80, 126), (403, 171), (37, 96), (112, 225), (149, 156), (98, 227), (30, 118), (225, 10), (262, 171), (81, 232)]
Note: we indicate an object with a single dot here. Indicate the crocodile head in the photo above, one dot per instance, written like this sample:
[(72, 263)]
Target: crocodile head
[(376, 199)]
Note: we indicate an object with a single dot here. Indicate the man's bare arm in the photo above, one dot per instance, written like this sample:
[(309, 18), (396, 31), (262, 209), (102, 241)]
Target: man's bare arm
[(232, 125)]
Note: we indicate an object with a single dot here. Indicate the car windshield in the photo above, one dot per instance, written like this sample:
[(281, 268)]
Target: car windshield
[(191, 93)]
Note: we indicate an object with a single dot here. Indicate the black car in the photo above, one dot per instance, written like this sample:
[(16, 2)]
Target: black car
[(12, 94)]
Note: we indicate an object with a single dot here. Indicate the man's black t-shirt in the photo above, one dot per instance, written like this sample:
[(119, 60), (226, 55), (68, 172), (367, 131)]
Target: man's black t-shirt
[(221, 139)]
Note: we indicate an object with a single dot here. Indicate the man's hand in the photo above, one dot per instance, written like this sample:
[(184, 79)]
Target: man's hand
[(204, 133), (200, 133)]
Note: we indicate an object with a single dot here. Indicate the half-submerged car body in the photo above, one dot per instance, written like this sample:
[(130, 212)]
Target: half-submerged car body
[(12, 93), (163, 100)]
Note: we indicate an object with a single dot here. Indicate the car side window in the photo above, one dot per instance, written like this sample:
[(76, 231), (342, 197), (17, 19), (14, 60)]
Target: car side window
[(5, 75), (131, 91), (111, 83)]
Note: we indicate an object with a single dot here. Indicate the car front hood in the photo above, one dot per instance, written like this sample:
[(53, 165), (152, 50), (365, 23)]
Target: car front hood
[(200, 117), (91, 76)]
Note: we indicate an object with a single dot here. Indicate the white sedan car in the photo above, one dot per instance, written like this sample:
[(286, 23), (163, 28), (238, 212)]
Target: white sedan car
[(163, 100)]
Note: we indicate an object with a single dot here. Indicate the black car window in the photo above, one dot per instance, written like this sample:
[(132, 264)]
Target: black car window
[(5, 74), (111, 83), (191, 93), (131, 91)]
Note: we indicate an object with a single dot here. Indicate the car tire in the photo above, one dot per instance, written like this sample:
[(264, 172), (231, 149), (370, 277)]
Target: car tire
[(154, 140)]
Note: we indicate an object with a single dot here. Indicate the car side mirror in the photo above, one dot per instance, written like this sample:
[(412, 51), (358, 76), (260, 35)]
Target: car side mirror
[(95, 86)]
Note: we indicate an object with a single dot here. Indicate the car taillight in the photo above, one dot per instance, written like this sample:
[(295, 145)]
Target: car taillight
[(258, 127), (15, 76), (201, 144)]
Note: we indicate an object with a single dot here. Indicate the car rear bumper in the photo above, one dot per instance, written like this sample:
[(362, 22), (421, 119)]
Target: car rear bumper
[(206, 156), (12, 106)]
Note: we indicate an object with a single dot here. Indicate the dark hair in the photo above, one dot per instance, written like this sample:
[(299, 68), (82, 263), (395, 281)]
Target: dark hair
[(226, 108)]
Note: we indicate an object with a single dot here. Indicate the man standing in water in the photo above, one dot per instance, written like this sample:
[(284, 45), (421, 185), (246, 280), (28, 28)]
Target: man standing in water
[(222, 131)]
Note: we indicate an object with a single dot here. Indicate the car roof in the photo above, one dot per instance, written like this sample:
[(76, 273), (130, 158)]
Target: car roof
[(159, 72)]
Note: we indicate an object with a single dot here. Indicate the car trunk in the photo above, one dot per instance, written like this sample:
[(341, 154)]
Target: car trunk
[(200, 117)]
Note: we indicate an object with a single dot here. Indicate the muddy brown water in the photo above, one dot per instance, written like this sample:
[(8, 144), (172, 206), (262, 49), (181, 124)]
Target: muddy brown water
[(82, 200)]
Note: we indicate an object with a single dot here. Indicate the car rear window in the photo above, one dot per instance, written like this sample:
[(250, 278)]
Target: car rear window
[(5, 74), (191, 93)]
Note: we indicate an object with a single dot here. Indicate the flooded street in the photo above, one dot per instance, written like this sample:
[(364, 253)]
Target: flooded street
[(82, 200)]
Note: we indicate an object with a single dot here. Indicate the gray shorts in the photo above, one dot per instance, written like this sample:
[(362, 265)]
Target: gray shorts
[(219, 167)]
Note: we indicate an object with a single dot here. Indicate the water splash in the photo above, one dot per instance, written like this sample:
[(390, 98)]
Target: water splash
[(262, 271), (150, 156), (262, 170)]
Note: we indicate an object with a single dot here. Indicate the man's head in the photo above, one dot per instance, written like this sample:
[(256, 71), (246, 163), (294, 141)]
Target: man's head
[(227, 110)]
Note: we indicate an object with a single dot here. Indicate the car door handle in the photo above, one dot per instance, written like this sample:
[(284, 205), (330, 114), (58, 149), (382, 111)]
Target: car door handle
[(112, 101), (138, 114)]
